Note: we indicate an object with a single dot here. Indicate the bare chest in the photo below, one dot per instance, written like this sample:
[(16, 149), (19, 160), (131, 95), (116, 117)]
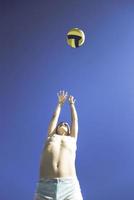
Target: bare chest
[(58, 143)]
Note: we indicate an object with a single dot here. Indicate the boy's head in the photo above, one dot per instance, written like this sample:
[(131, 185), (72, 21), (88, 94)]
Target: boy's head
[(63, 128)]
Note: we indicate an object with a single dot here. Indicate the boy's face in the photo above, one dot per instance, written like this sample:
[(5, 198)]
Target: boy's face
[(62, 129)]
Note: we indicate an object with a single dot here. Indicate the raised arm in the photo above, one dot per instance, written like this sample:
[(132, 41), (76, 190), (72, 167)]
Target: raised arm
[(74, 118), (53, 123)]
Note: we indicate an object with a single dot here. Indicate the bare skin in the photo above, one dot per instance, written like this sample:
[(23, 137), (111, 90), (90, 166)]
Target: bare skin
[(59, 152)]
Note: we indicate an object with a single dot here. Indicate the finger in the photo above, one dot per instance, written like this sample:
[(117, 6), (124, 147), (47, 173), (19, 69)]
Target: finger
[(66, 94)]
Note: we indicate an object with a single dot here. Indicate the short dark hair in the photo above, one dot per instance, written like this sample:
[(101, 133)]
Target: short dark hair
[(67, 125)]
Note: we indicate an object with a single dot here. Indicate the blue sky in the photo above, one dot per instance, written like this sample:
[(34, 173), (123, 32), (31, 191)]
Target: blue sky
[(36, 62)]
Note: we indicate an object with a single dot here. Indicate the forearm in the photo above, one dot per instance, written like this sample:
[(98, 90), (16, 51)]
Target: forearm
[(74, 122), (57, 111), (74, 116), (54, 119)]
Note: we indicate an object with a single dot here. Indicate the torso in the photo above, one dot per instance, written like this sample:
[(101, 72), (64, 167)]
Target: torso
[(58, 157)]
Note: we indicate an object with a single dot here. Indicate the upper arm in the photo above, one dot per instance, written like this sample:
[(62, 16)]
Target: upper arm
[(52, 126), (50, 133), (74, 129)]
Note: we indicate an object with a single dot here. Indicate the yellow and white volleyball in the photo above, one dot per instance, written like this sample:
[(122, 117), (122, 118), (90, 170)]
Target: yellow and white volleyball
[(75, 37)]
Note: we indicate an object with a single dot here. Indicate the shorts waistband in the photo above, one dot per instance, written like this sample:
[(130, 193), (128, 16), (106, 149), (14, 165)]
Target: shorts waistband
[(58, 179)]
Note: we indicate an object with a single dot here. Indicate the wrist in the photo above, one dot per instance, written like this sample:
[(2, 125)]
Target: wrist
[(60, 103), (71, 104)]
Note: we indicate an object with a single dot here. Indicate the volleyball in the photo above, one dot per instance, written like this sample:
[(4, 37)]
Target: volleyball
[(75, 37)]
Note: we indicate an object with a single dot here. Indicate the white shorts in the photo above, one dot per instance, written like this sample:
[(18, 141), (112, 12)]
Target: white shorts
[(63, 188)]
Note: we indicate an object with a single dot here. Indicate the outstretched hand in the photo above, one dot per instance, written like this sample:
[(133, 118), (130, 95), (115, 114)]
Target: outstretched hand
[(62, 96), (71, 100)]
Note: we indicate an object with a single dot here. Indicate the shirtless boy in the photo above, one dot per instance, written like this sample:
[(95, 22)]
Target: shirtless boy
[(57, 178)]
